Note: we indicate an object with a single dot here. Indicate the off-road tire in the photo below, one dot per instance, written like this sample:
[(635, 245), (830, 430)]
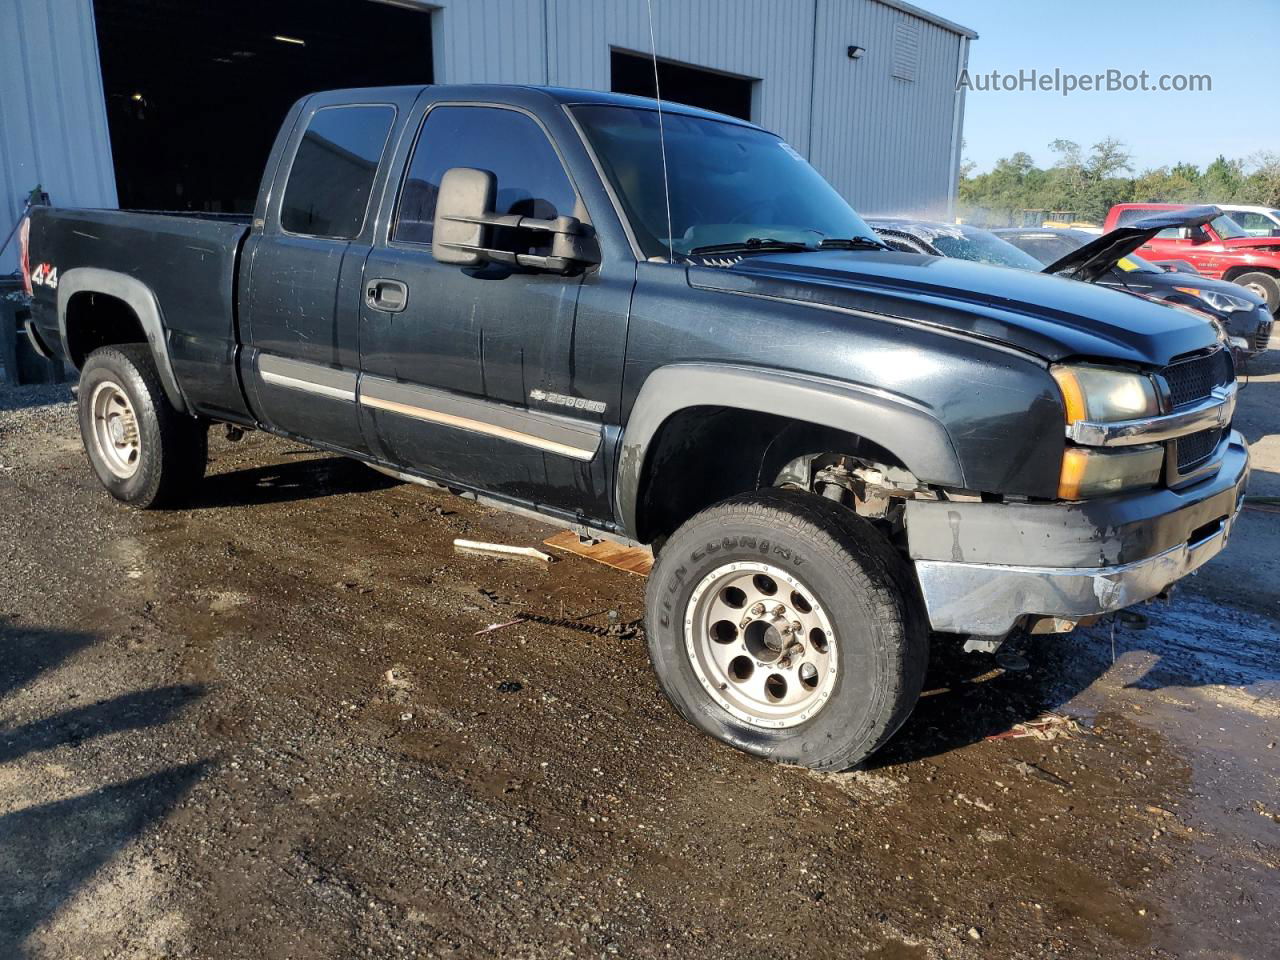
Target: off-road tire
[(863, 583), (1264, 285), (174, 447)]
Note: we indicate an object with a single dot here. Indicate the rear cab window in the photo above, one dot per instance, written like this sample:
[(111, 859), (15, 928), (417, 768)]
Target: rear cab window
[(327, 192), (531, 180)]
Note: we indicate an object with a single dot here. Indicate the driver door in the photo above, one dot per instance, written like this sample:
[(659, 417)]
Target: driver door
[(458, 368)]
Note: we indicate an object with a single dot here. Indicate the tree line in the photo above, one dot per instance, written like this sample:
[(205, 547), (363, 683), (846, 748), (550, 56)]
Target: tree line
[(1084, 187)]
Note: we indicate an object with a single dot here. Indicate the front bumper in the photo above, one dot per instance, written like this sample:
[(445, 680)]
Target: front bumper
[(982, 566)]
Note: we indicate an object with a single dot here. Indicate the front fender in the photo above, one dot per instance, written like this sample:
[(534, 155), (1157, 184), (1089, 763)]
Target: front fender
[(140, 299), (897, 423)]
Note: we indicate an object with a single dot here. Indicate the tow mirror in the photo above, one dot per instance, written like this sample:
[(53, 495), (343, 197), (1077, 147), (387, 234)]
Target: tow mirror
[(466, 228)]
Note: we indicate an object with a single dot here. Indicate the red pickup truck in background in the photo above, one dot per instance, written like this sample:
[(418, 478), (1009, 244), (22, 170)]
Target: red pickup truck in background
[(1219, 249)]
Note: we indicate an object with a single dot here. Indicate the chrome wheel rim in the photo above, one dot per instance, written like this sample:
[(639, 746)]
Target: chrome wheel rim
[(115, 430), (761, 644), (1260, 291)]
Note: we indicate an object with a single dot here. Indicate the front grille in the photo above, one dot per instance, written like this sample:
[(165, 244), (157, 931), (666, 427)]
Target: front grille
[(1263, 337), (1195, 448), (1193, 379)]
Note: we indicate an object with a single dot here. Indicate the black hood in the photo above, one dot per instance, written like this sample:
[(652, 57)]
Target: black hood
[(1051, 317), (1095, 258)]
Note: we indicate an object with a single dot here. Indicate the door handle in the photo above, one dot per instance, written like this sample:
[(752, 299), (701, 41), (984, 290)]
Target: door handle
[(389, 295)]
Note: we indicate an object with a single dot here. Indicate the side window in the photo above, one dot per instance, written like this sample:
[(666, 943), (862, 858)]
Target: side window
[(329, 183), (510, 145)]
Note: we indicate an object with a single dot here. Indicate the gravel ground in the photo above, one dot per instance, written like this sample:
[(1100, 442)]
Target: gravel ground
[(266, 726)]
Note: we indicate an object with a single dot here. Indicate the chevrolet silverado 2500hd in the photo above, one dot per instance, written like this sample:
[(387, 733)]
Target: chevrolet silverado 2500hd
[(830, 445)]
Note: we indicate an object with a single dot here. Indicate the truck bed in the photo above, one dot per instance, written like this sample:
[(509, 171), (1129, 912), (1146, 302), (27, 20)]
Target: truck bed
[(187, 259)]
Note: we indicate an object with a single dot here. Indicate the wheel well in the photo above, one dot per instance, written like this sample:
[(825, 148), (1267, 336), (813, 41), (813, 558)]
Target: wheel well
[(702, 455), (97, 320)]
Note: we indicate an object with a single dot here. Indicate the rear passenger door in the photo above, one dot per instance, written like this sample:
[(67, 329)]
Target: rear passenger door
[(449, 374), (304, 288)]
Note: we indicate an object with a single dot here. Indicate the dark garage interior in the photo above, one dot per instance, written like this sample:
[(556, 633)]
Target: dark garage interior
[(633, 73), (196, 91)]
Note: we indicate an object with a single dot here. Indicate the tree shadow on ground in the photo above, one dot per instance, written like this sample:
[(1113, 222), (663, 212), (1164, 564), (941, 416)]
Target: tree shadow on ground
[(25, 652), (133, 711), (289, 482), (50, 850)]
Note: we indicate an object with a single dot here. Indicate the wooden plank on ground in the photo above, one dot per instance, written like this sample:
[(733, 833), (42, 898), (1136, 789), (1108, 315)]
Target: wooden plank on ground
[(635, 560)]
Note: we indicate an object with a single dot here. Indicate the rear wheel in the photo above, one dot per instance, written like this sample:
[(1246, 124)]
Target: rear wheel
[(1264, 285), (144, 451), (787, 626)]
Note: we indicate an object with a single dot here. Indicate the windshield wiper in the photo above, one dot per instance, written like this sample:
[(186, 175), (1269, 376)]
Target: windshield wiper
[(751, 244), (853, 243)]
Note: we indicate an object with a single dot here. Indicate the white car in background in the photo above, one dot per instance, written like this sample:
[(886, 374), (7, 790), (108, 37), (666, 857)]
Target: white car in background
[(1255, 221)]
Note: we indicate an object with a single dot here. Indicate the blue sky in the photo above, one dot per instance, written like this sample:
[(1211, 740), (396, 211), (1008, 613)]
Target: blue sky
[(1237, 44)]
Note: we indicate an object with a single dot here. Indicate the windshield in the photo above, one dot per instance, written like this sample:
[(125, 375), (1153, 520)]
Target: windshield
[(1226, 228), (729, 183), (970, 243)]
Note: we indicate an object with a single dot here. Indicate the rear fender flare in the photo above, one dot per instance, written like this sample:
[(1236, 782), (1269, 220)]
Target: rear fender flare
[(140, 299), (901, 425)]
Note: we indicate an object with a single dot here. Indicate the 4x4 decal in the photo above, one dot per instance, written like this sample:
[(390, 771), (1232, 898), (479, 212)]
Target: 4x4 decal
[(45, 275)]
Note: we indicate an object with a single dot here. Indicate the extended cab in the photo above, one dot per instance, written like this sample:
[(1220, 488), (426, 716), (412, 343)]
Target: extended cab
[(1220, 249), (831, 446)]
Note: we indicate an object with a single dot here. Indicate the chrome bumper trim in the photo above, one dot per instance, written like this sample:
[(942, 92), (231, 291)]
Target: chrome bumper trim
[(987, 599), (1214, 411)]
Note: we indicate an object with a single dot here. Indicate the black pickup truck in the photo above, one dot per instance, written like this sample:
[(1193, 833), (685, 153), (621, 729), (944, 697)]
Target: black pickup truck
[(664, 327)]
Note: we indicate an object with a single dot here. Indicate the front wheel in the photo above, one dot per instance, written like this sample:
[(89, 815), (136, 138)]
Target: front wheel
[(144, 451), (785, 625)]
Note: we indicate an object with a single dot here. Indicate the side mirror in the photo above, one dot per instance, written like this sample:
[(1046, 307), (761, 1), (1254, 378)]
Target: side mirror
[(464, 234), (459, 235)]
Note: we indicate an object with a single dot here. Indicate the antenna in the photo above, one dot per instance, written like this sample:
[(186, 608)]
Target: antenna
[(662, 135)]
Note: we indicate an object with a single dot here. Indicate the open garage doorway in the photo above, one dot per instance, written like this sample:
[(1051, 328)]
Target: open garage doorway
[(196, 91), (695, 86)]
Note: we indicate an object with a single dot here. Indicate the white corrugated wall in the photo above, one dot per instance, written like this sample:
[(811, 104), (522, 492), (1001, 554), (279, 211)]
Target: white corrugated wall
[(885, 142), (888, 144), (53, 118)]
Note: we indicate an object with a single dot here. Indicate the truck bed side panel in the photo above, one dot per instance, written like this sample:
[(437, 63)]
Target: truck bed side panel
[(188, 262)]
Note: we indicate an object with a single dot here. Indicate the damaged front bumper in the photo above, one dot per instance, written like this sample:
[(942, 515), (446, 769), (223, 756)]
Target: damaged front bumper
[(984, 566)]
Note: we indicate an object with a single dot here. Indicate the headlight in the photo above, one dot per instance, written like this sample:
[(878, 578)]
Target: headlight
[(1092, 472), (1226, 302), (1105, 395)]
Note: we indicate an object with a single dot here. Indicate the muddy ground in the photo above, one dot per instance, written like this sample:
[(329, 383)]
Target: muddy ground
[(267, 727)]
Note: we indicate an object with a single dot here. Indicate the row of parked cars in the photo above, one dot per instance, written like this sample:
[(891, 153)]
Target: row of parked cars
[(1195, 257)]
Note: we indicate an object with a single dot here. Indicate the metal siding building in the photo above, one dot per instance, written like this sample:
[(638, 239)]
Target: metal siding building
[(883, 128)]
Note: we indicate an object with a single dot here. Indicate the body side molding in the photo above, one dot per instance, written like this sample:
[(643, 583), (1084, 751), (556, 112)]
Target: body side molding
[(877, 415), (140, 299)]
